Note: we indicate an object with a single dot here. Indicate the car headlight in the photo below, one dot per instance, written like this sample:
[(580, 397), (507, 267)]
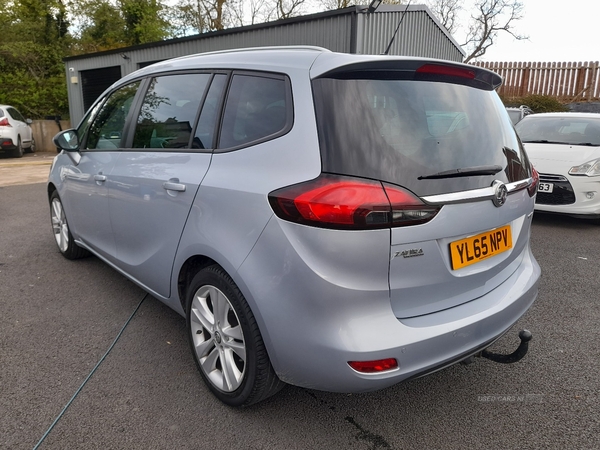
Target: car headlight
[(590, 169)]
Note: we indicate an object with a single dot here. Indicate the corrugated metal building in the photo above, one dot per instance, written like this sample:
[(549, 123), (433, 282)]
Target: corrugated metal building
[(348, 30)]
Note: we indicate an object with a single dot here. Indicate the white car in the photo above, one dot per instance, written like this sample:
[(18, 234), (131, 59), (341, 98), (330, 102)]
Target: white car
[(16, 136), (565, 149)]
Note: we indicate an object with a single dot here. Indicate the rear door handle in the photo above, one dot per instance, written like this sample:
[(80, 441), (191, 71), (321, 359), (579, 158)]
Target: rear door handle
[(174, 185)]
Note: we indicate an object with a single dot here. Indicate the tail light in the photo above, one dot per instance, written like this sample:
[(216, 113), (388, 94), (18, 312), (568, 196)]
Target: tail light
[(444, 70), (346, 203), (377, 366), (469, 76), (532, 189), (4, 122)]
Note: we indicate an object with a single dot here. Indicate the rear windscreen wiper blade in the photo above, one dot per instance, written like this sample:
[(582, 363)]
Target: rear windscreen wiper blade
[(543, 141), (463, 172)]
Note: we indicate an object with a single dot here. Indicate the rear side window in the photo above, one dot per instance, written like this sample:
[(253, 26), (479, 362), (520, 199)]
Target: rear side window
[(257, 108), (399, 131), (205, 131), (16, 115), (169, 110)]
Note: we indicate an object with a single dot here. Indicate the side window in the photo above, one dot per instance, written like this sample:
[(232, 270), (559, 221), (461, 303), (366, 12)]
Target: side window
[(205, 130), (169, 111), (106, 129), (16, 115), (256, 109), (85, 124)]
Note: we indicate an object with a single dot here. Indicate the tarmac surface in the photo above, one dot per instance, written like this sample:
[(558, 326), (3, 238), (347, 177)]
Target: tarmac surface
[(31, 168), (60, 325)]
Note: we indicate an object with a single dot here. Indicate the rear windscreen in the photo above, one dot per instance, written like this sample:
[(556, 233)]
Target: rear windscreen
[(401, 130)]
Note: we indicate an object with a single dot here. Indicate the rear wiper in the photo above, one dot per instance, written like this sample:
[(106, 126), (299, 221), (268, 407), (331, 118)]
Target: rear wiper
[(543, 141), (588, 144), (463, 172)]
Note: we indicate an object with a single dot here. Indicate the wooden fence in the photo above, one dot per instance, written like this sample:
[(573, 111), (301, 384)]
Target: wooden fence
[(567, 81)]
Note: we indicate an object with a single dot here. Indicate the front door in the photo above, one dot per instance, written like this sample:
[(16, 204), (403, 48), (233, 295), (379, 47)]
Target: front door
[(86, 189)]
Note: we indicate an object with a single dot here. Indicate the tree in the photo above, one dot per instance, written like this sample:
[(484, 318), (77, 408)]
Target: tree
[(447, 12), (489, 18), (100, 26), (144, 21), (255, 12), (33, 42), (199, 16), (284, 9), (108, 24)]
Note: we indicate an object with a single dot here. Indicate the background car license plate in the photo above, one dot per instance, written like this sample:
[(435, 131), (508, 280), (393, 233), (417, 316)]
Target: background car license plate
[(476, 248), (546, 187)]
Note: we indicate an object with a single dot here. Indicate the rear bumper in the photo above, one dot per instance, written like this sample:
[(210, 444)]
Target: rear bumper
[(313, 324), (473, 333), (7, 144)]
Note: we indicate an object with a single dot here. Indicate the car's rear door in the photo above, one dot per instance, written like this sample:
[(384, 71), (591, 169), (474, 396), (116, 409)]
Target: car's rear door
[(155, 180), (440, 132)]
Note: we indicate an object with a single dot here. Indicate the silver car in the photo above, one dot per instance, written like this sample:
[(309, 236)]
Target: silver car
[(332, 221)]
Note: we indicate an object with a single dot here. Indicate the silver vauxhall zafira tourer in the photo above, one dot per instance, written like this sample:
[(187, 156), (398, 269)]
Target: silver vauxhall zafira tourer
[(333, 221)]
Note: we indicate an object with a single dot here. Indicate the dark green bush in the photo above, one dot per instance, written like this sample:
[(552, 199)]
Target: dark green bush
[(538, 103)]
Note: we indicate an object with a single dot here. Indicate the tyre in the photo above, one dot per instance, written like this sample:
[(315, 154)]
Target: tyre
[(18, 151), (64, 239), (31, 148), (226, 342)]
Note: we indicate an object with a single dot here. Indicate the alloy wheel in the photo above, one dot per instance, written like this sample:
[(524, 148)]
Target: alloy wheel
[(59, 225), (217, 338)]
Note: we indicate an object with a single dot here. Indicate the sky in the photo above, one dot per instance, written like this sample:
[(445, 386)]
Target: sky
[(558, 30)]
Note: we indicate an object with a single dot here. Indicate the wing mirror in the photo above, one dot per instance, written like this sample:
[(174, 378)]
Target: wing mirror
[(67, 140)]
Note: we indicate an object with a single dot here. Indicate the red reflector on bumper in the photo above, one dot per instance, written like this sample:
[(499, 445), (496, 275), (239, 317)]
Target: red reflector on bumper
[(380, 365)]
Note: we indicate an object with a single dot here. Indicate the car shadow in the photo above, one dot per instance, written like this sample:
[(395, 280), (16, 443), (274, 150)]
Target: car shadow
[(561, 220)]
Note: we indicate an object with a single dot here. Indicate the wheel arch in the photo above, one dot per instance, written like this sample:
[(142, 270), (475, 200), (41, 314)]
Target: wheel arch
[(51, 188), (190, 268), (197, 262)]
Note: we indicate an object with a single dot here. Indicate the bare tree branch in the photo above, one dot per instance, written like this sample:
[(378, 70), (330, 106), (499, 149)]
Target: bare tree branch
[(492, 17), (447, 12), (329, 5), (284, 9)]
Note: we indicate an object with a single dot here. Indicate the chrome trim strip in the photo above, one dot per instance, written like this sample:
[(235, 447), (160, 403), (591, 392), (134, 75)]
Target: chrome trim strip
[(474, 195), (548, 178)]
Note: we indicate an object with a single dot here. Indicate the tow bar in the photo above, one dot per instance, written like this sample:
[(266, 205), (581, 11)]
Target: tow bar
[(517, 355)]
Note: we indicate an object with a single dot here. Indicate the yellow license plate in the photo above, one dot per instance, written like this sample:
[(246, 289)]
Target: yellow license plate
[(476, 248)]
